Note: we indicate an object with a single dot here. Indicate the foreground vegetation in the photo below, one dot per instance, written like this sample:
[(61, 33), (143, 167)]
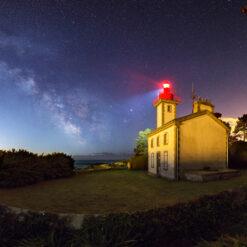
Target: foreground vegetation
[(180, 225), (227, 241), (19, 168), (112, 191), (148, 211)]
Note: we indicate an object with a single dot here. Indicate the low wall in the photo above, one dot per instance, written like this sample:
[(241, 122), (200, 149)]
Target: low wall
[(75, 220), (206, 176)]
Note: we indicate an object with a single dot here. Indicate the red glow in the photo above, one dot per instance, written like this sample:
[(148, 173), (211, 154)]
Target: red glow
[(166, 84), (166, 93)]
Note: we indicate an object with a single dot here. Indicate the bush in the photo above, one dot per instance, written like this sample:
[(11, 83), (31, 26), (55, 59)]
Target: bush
[(180, 225), (19, 168), (238, 155), (138, 162), (226, 241), (33, 229)]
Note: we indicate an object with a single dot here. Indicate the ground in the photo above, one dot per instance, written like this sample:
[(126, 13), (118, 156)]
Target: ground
[(111, 192)]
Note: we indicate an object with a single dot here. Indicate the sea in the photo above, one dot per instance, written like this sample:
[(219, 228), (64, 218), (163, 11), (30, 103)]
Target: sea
[(86, 163)]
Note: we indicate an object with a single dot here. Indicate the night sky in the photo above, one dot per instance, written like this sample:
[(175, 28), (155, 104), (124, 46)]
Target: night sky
[(80, 76)]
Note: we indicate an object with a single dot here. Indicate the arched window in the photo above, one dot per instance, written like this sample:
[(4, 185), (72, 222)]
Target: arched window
[(166, 138), (152, 160), (158, 141), (152, 143)]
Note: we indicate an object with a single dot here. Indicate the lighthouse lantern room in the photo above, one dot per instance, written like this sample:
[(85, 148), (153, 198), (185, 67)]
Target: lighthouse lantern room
[(166, 104)]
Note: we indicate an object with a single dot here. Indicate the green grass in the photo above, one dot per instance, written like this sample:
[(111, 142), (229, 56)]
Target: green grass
[(111, 192)]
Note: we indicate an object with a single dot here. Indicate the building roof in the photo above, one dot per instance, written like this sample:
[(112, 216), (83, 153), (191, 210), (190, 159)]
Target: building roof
[(177, 121)]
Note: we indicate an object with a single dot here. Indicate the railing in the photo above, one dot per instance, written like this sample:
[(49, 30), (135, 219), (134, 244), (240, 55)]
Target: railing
[(162, 96)]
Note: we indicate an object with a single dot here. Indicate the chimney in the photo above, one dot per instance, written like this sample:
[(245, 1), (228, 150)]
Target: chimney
[(203, 105)]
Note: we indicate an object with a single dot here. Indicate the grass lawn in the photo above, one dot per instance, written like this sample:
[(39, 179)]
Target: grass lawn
[(111, 192)]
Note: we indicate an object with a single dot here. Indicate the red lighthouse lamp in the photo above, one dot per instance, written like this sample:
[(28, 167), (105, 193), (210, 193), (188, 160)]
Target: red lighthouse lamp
[(166, 93), (166, 84)]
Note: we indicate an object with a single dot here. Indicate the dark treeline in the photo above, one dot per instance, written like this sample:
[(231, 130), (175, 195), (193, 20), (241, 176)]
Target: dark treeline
[(238, 155), (19, 168)]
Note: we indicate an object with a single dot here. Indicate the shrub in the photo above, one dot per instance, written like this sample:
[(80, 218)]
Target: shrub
[(139, 162), (180, 225), (183, 223), (225, 241), (238, 155), (19, 168), (33, 229)]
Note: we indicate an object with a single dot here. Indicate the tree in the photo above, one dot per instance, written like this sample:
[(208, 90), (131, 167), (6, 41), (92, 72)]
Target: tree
[(227, 124), (217, 114), (232, 139), (142, 142), (241, 125)]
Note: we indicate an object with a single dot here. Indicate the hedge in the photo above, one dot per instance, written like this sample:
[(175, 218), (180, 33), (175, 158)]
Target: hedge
[(173, 226), (19, 168), (180, 225)]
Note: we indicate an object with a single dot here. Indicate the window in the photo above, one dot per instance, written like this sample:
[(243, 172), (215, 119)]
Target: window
[(165, 138), (169, 108), (152, 160), (152, 143), (158, 141), (165, 164)]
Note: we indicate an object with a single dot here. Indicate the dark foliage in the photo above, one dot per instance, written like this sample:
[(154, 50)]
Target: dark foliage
[(179, 225), (241, 126), (227, 124), (47, 228), (19, 168), (238, 155), (185, 223), (142, 143), (172, 226), (217, 114), (232, 139)]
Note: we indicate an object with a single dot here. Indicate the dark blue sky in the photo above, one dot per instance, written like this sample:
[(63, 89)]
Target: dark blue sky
[(80, 76)]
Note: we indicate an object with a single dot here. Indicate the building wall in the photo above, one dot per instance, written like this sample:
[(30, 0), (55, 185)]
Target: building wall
[(163, 116), (159, 115), (170, 147), (202, 143), (169, 116)]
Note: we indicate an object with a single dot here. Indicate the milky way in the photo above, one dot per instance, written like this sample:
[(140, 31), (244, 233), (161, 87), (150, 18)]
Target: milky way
[(80, 76)]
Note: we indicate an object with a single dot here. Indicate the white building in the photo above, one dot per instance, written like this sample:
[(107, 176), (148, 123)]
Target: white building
[(193, 142)]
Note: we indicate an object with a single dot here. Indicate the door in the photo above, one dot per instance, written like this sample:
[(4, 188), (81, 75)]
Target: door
[(158, 163)]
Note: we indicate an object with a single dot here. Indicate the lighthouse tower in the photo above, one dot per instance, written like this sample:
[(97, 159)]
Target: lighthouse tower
[(166, 105)]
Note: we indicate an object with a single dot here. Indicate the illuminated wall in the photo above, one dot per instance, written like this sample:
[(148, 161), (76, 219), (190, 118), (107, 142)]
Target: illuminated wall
[(159, 115), (166, 111), (170, 147), (202, 143)]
